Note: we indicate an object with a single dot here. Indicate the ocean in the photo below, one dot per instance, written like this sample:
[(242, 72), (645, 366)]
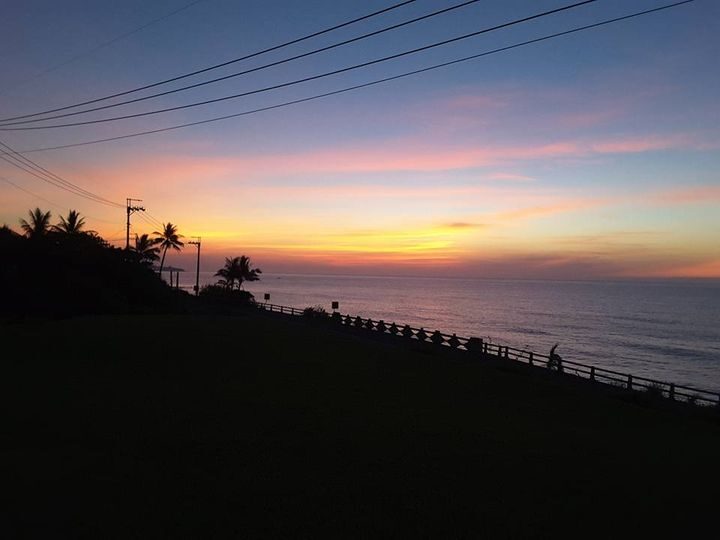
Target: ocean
[(666, 330)]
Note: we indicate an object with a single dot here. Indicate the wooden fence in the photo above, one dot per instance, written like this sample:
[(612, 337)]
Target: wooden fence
[(479, 346)]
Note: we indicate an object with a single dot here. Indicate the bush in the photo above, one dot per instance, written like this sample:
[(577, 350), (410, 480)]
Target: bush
[(315, 312), (223, 295), (655, 390)]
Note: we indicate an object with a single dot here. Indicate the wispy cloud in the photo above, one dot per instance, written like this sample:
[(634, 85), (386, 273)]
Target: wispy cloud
[(464, 225), (687, 195), (509, 176), (396, 156), (562, 206)]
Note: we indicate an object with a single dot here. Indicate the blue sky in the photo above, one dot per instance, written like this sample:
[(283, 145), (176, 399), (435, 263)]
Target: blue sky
[(593, 155)]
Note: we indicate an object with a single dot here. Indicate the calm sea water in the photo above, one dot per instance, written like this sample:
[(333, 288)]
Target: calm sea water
[(668, 330)]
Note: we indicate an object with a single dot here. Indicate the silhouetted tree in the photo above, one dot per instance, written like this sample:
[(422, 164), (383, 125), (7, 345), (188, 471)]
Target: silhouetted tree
[(237, 269), (88, 275), (74, 224), (168, 238), (146, 248), (38, 225), (229, 273), (247, 273)]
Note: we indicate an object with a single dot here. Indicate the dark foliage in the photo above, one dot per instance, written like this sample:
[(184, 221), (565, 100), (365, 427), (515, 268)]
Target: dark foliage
[(56, 274), (315, 312), (220, 294), (236, 271)]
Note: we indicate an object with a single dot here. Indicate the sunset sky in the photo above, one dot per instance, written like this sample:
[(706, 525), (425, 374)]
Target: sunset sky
[(594, 155)]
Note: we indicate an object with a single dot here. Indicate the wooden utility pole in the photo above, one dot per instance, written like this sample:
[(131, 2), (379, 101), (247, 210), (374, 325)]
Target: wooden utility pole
[(197, 267), (131, 210)]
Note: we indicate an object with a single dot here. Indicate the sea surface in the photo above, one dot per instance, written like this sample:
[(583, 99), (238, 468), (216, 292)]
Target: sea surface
[(666, 330)]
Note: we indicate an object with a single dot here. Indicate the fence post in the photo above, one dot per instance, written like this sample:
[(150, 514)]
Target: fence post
[(592, 373), (281, 309), (629, 382), (530, 359), (671, 393)]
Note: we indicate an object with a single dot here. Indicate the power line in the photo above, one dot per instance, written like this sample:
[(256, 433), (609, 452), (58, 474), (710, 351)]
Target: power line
[(150, 221), (19, 164), (25, 161), (22, 162), (103, 45), (232, 75), (158, 223), (114, 237), (217, 66), (307, 79), (40, 197), (364, 85)]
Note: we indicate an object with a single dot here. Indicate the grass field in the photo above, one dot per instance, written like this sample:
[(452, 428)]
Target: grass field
[(257, 426)]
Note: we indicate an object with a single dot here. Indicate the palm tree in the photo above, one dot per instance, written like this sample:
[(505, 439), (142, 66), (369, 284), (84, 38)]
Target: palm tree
[(229, 273), (237, 269), (247, 273), (38, 225), (72, 225), (168, 238), (146, 248)]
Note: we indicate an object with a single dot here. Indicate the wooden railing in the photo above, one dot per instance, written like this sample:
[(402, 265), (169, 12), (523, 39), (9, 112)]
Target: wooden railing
[(479, 346)]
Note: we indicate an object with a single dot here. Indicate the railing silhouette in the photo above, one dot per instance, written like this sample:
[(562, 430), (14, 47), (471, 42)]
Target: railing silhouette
[(476, 345)]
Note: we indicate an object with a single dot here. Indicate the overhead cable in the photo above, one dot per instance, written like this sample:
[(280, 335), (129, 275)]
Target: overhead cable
[(26, 164), (364, 85), (216, 66), (40, 197), (245, 72), (311, 78)]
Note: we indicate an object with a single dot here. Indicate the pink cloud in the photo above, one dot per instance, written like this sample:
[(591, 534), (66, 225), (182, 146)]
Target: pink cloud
[(636, 145), (408, 156), (688, 195), (510, 176), (567, 205)]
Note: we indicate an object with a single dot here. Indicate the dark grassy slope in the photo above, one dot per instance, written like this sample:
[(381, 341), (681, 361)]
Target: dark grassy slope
[(188, 426)]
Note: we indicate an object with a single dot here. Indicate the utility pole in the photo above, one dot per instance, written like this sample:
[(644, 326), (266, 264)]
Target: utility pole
[(197, 268), (131, 209)]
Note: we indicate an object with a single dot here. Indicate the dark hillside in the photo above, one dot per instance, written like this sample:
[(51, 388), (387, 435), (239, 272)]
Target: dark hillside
[(180, 426)]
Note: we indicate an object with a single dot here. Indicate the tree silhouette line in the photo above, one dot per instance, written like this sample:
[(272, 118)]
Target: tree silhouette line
[(64, 268)]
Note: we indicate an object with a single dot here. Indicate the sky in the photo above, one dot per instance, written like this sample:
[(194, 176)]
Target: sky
[(590, 156)]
